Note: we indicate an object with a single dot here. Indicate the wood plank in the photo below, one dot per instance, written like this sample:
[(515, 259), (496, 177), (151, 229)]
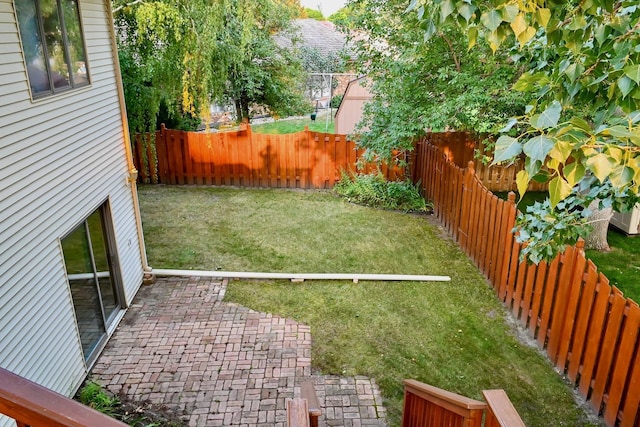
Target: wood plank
[(582, 321), (546, 310), (536, 303), (622, 365), (608, 349), (297, 413), (35, 405), (507, 250), (527, 296), (632, 396), (518, 289), (560, 303), (497, 241), (596, 326), (575, 290), (501, 408)]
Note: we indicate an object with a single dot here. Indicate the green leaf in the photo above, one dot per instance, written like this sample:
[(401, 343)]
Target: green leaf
[(633, 72), (446, 9), (491, 19), (518, 25), (509, 12), (543, 15), (573, 173), (524, 83), (538, 147), (522, 182), (506, 149), (580, 123), (429, 31), (559, 189), (600, 165), (622, 176), (526, 35), (472, 35), (511, 123), (561, 151), (620, 132), (466, 10), (601, 33), (574, 71), (549, 117)]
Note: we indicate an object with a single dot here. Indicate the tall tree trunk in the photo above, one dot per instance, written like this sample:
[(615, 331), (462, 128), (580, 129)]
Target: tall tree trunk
[(600, 222), (239, 111)]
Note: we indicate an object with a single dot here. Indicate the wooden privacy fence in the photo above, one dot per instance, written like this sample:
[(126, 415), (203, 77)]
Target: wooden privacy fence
[(588, 329), (246, 159), (460, 148)]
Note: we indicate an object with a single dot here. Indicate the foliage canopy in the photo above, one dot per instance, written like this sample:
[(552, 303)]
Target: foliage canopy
[(581, 130), (437, 84), (192, 53)]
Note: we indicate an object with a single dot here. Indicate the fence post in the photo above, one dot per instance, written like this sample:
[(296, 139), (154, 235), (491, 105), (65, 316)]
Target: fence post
[(467, 197), (507, 249)]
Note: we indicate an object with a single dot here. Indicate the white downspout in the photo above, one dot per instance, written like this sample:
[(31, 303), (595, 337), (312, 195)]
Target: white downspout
[(132, 174)]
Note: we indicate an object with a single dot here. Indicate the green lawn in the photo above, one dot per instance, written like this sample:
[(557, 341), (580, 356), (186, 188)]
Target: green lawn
[(449, 334), (295, 125), (622, 264)]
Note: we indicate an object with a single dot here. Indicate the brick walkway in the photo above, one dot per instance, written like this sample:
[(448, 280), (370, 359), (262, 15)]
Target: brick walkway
[(221, 364)]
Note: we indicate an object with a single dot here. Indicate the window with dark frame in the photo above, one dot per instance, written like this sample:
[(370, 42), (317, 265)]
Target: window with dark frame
[(53, 45)]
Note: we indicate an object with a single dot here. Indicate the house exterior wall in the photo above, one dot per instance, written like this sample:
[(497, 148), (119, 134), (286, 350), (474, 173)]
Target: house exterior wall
[(352, 106), (61, 157)]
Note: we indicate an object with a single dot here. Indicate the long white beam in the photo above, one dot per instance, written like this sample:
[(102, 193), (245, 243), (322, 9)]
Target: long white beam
[(301, 276)]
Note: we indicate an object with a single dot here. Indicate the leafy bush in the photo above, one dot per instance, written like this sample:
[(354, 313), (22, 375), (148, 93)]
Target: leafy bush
[(375, 191), (95, 397), (336, 100), (136, 414)]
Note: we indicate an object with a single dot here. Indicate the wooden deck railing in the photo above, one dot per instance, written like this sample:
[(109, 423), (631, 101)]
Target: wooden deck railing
[(305, 410), (429, 406), (30, 404)]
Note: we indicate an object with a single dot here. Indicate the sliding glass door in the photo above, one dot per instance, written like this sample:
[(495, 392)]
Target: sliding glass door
[(92, 274)]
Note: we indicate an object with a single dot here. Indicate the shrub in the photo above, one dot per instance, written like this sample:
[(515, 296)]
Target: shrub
[(375, 191)]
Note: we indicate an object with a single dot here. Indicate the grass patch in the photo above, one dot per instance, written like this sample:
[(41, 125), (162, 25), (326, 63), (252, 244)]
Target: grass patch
[(295, 125), (135, 414), (452, 335), (375, 191), (622, 264)]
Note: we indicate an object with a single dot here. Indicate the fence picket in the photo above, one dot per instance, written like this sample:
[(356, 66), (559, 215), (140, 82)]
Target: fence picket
[(574, 291), (626, 347), (594, 342), (608, 348), (582, 321)]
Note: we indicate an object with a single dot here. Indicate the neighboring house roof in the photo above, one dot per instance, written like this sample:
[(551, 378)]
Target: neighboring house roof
[(313, 34)]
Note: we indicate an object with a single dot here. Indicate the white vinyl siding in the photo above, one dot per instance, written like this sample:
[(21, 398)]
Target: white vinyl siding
[(60, 158)]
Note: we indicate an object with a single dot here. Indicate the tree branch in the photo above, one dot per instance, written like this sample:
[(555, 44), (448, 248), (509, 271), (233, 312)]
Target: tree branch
[(119, 8), (453, 52)]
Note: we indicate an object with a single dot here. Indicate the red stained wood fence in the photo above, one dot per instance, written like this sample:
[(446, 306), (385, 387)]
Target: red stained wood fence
[(460, 148), (242, 158), (588, 329)]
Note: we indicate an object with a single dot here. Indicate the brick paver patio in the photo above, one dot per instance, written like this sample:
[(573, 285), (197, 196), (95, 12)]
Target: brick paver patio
[(221, 364)]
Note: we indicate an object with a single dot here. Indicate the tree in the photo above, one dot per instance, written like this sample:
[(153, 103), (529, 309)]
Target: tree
[(581, 132), (313, 14), (259, 70), (418, 86), (189, 54)]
